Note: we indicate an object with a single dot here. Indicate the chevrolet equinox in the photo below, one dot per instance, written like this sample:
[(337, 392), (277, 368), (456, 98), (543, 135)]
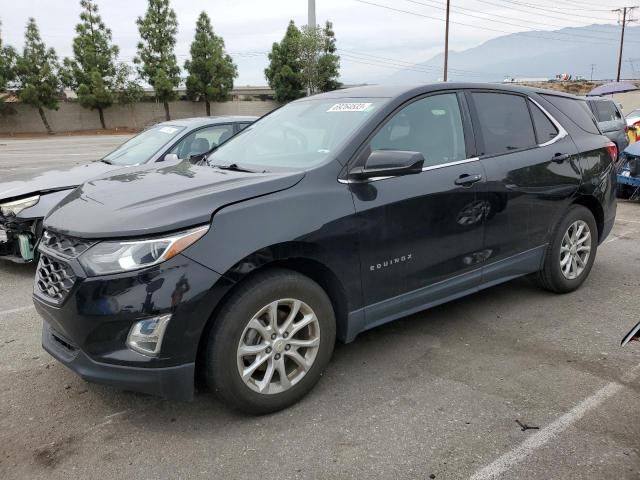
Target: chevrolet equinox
[(328, 217)]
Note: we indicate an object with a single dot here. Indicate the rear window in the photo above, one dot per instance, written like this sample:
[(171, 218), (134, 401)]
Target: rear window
[(545, 129), (606, 111), (505, 122), (577, 111)]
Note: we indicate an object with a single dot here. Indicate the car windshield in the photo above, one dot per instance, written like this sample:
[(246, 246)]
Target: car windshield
[(299, 135), (633, 113), (143, 146)]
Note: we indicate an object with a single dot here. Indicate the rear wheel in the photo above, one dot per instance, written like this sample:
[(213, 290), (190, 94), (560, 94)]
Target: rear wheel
[(571, 253), (271, 342)]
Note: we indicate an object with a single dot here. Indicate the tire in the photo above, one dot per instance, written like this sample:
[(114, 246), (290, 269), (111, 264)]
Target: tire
[(248, 307), (552, 277)]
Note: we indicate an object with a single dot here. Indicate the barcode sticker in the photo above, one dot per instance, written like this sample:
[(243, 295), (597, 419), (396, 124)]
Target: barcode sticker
[(350, 107)]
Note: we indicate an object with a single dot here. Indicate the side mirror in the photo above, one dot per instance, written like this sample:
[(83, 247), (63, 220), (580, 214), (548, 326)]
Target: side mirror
[(170, 157), (389, 163)]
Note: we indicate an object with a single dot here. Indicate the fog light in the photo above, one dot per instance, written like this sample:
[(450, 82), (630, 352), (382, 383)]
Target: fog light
[(146, 335)]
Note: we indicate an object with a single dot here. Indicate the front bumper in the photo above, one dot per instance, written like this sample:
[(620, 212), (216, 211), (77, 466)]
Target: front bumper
[(86, 330), (172, 383)]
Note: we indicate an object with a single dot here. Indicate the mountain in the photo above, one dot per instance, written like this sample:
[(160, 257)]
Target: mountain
[(535, 54)]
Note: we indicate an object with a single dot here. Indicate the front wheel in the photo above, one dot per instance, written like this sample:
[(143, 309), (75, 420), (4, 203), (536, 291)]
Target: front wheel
[(271, 342), (571, 253)]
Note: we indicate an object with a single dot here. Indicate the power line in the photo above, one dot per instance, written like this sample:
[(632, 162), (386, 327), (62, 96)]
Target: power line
[(529, 34), (403, 64), (439, 6), (548, 9), (624, 22), (511, 19)]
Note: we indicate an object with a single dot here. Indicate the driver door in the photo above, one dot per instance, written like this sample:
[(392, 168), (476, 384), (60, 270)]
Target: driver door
[(421, 235)]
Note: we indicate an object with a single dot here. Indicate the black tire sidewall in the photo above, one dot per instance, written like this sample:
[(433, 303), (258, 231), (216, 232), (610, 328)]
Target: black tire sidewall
[(222, 370), (552, 264)]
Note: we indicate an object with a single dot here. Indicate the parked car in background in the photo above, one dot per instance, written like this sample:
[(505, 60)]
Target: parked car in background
[(330, 216), (610, 119), (25, 199), (632, 118)]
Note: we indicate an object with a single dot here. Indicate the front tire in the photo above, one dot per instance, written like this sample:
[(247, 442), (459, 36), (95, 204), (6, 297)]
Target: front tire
[(571, 253), (271, 342)]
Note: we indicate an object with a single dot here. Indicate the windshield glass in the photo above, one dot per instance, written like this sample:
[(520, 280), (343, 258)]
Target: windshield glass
[(298, 135), (143, 146)]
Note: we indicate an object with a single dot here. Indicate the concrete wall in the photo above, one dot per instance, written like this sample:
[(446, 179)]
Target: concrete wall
[(71, 116)]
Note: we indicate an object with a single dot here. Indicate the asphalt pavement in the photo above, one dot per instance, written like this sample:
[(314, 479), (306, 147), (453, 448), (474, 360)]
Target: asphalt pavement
[(434, 395)]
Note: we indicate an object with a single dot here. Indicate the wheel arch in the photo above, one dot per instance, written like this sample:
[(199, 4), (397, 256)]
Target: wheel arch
[(593, 205), (269, 259)]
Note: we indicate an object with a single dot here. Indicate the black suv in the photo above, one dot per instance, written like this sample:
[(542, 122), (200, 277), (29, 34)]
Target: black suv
[(330, 216)]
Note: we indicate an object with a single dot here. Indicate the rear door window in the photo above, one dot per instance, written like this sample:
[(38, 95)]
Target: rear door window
[(576, 110), (545, 129), (504, 122)]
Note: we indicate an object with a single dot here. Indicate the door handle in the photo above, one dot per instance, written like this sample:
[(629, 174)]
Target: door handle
[(560, 157), (467, 180)]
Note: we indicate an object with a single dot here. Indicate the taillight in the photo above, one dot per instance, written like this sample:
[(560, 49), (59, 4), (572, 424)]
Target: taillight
[(613, 151)]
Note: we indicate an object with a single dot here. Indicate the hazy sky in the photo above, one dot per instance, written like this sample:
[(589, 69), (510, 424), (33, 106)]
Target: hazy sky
[(249, 27)]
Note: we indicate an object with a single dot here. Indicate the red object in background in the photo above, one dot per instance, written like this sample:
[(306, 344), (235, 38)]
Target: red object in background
[(613, 151)]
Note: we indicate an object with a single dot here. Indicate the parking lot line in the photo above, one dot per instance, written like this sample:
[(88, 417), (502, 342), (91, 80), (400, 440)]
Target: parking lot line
[(537, 440), (16, 310)]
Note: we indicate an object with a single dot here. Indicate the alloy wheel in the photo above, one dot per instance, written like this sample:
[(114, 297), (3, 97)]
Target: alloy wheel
[(575, 249), (278, 346)]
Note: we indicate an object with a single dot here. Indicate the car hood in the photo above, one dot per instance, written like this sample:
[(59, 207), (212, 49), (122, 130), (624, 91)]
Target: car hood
[(149, 201), (23, 184)]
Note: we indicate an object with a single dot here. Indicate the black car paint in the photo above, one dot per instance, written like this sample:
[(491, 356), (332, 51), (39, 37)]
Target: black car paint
[(381, 249), (54, 185)]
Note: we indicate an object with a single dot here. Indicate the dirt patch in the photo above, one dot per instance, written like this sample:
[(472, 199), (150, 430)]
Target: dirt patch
[(51, 456), (100, 131)]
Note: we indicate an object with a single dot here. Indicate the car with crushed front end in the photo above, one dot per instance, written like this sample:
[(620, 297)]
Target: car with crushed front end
[(26, 198), (330, 216)]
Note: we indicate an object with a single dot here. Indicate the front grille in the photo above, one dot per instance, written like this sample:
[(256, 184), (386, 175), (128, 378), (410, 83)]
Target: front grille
[(67, 246), (54, 278)]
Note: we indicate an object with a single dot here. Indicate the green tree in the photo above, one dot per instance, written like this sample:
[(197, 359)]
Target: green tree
[(211, 70), (320, 63), (284, 72), (7, 70), (328, 61), (126, 87), (156, 58), (37, 74), (92, 70)]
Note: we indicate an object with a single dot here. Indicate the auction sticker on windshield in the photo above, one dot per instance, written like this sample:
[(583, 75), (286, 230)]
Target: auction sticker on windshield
[(168, 130), (350, 107)]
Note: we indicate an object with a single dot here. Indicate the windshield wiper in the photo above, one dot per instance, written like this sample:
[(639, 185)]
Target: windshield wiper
[(234, 167), (106, 161)]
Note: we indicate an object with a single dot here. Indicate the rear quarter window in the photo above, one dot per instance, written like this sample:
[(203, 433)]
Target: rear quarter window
[(576, 110)]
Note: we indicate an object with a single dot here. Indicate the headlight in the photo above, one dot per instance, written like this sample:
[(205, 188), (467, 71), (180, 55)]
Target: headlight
[(126, 255), (15, 207)]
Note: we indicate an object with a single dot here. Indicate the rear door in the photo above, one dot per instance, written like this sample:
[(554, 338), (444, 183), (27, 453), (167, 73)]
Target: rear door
[(418, 230), (529, 163)]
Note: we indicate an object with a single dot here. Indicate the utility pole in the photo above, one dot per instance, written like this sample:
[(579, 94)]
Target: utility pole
[(446, 44), (624, 22), (311, 15), (593, 68)]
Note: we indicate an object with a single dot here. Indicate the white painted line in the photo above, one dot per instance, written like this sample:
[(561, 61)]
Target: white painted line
[(537, 440), (615, 237), (16, 310)]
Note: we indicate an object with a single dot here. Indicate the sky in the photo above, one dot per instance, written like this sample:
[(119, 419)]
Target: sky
[(373, 41)]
